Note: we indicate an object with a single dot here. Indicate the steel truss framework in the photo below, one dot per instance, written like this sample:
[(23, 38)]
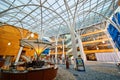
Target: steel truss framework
[(52, 17)]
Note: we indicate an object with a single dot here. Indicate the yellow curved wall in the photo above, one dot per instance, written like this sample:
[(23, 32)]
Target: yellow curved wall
[(12, 34)]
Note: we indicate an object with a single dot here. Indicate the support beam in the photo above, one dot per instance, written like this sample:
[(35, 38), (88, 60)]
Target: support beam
[(81, 47), (56, 51), (63, 53), (18, 56)]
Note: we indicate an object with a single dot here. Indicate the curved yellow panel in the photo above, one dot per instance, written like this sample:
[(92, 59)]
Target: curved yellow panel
[(9, 40)]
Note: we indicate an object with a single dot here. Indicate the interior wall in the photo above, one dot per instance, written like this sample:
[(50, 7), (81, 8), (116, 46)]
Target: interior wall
[(108, 57)]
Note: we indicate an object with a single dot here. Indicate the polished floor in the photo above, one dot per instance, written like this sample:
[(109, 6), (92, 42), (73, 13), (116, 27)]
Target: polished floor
[(95, 71)]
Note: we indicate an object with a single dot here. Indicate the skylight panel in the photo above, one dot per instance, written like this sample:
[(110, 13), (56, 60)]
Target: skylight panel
[(18, 25), (4, 19), (70, 2), (18, 2), (28, 10), (20, 15), (51, 2), (36, 12), (46, 4), (55, 6), (4, 5), (36, 2), (31, 15)]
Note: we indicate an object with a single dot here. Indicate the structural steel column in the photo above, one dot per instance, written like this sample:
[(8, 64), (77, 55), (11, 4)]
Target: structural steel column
[(81, 47), (63, 54), (74, 51), (18, 56), (56, 51)]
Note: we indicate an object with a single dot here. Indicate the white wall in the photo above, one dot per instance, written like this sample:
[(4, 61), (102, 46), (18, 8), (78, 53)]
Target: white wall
[(108, 57)]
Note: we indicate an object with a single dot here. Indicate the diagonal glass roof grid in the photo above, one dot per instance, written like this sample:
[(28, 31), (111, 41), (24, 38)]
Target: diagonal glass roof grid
[(64, 29), (19, 15), (29, 13), (93, 5), (60, 27), (62, 7), (47, 26), (39, 23), (94, 21), (87, 4), (34, 21), (47, 15), (20, 9), (29, 9), (83, 9), (30, 19), (19, 2), (36, 2), (52, 22), (103, 6), (32, 6), (52, 14), (51, 3), (26, 19), (50, 26), (111, 8), (82, 6), (58, 20), (3, 19), (5, 5), (95, 9), (55, 31), (53, 8)]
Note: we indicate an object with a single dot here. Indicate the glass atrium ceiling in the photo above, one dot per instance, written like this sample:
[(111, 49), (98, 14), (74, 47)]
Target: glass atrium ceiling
[(52, 17)]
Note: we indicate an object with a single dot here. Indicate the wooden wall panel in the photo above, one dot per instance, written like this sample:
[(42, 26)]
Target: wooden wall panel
[(12, 34)]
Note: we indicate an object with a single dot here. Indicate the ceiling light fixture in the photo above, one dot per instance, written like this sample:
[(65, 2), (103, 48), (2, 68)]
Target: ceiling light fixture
[(9, 43), (32, 35), (97, 48), (103, 41)]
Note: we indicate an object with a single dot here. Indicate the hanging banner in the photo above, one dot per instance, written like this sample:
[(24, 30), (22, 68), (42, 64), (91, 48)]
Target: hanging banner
[(115, 34)]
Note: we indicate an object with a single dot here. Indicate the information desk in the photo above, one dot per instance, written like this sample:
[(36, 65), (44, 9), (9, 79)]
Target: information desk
[(36, 74)]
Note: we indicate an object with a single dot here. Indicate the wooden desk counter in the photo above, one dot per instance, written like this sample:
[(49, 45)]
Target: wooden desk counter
[(35, 74)]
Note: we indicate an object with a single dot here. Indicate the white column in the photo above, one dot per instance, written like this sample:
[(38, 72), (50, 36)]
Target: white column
[(18, 56), (74, 51), (81, 47), (63, 54), (56, 51), (74, 47)]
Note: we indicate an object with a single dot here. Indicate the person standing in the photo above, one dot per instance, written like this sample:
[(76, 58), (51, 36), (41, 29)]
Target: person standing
[(67, 63)]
